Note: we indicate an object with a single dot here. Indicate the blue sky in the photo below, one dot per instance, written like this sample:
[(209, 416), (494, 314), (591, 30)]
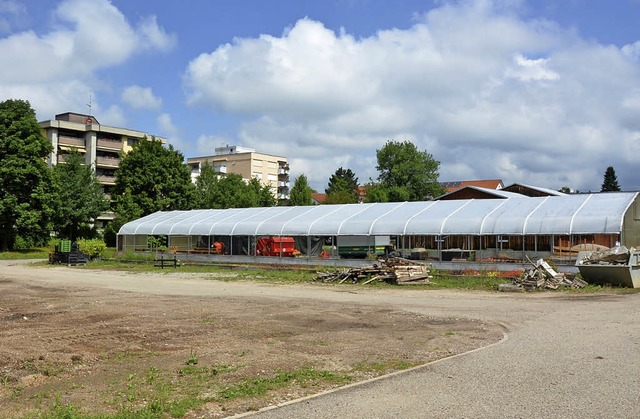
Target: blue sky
[(538, 92)]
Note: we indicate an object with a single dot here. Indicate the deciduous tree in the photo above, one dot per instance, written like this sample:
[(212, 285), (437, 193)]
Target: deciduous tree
[(79, 197), (25, 180), (230, 191), (407, 173), (150, 178)]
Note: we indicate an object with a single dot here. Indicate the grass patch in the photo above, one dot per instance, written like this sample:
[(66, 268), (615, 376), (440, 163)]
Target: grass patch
[(36, 253), (485, 283), (383, 367), (255, 387)]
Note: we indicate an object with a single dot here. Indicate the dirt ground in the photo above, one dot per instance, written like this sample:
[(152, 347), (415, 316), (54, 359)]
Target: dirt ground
[(77, 348)]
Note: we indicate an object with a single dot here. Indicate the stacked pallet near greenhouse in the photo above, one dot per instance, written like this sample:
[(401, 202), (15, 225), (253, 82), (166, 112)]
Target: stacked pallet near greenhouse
[(392, 270)]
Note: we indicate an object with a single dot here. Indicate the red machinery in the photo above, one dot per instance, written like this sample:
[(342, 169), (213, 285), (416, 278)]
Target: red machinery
[(276, 246)]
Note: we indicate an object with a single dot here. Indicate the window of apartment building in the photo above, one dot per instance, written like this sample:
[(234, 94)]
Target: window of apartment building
[(273, 178), (257, 175), (273, 165), (257, 163)]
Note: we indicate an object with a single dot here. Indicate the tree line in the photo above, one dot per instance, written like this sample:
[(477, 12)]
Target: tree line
[(65, 199)]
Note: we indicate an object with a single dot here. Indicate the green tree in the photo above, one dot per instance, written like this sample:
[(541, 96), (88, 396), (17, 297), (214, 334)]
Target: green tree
[(264, 196), (25, 180), (342, 187), (610, 181), (407, 173), (80, 199), (565, 189), (301, 192), (230, 191), (150, 178)]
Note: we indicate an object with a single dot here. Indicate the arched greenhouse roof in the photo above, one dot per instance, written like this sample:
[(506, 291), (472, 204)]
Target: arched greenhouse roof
[(600, 213)]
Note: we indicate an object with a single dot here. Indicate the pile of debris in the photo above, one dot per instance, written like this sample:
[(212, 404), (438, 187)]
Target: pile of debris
[(543, 276), (393, 270), (618, 255)]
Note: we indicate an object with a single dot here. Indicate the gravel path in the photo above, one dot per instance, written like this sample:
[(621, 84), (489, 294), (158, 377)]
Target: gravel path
[(563, 356)]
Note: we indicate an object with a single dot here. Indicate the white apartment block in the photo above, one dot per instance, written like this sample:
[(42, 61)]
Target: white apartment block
[(270, 170), (102, 146)]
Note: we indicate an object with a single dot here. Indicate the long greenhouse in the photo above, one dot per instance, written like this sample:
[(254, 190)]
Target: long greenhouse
[(511, 229)]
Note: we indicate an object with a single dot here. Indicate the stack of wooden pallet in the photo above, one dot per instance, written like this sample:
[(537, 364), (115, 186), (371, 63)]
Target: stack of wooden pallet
[(391, 270)]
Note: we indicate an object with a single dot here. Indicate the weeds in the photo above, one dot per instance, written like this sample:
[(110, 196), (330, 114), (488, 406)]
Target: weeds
[(254, 387)]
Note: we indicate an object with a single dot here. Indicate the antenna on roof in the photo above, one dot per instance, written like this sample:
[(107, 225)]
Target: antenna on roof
[(90, 98)]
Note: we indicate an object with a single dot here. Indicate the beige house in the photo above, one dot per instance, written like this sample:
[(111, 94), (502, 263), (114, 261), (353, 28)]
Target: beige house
[(101, 145), (271, 171)]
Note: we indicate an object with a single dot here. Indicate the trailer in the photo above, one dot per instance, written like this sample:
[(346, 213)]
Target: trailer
[(276, 246), (360, 247)]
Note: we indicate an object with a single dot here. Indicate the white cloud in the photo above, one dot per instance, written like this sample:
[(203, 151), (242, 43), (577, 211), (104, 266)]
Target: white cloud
[(487, 92), (112, 116), (153, 36), (171, 131), (141, 98), (85, 36)]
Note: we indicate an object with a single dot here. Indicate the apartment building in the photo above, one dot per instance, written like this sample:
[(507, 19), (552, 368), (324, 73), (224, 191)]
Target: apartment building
[(101, 145), (271, 171)]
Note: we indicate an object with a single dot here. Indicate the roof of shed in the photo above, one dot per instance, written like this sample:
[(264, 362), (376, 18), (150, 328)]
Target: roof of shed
[(600, 213)]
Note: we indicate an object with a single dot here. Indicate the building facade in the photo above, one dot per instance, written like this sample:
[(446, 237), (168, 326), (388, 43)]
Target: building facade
[(270, 170), (102, 146)]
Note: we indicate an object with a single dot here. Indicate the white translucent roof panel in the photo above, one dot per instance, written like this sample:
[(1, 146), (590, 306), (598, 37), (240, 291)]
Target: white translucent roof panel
[(297, 224), (569, 214), (361, 222), (429, 221), (334, 217), (183, 223), (602, 213), (240, 222), (554, 216), (394, 221), (468, 218), (200, 226), (510, 217), (146, 225)]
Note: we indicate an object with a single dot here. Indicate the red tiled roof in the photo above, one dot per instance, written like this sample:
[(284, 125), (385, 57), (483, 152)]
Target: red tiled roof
[(319, 197), (486, 183)]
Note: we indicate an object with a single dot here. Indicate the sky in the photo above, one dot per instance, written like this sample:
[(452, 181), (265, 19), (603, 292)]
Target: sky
[(540, 92)]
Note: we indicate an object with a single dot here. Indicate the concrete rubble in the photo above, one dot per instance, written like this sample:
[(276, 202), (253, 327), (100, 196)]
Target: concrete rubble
[(393, 270), (542, 276)]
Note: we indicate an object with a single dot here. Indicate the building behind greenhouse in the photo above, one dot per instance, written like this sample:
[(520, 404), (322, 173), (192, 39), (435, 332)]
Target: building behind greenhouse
[(510, 229)]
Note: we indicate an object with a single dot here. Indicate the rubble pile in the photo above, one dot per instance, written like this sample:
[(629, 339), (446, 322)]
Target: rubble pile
[(618, 255), (394, 270), (543, 276)]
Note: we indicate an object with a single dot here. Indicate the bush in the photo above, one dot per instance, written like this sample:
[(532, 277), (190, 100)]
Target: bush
[(21, 243), (93, 248)]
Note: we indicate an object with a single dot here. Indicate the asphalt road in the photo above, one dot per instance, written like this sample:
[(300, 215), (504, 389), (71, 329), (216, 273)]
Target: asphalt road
[(563, 355)]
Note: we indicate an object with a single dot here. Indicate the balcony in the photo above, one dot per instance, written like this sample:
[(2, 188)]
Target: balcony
[(107, 216), (283, 171), (72, 141), (107, 162), (284, 184), (283, 196), (110, 144), (106, 179)]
